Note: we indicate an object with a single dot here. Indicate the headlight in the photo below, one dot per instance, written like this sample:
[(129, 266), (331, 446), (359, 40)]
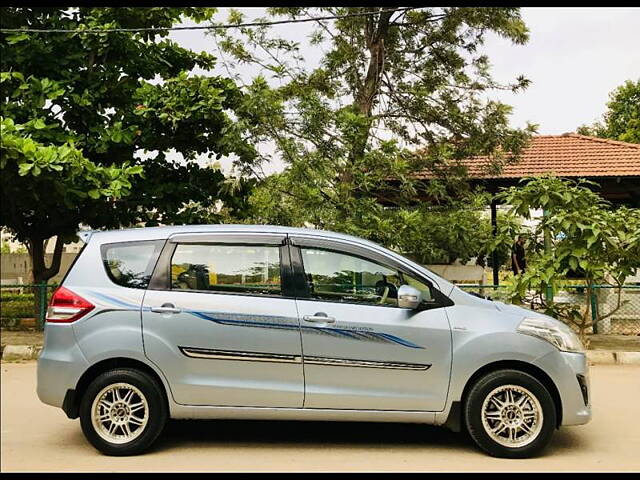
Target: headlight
[(559, 335)]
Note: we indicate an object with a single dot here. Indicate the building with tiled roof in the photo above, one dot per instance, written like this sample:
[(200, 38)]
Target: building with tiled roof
[(614, 165), (568, 155)]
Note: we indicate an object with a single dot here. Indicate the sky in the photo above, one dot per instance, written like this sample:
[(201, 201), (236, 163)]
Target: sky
[(574, 58)]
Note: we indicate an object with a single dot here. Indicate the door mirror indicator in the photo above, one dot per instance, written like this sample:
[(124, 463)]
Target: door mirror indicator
[(409, 297)]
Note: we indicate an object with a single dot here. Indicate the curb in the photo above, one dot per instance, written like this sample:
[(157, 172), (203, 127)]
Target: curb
[(21, 352), (608, 357), (595, 357)]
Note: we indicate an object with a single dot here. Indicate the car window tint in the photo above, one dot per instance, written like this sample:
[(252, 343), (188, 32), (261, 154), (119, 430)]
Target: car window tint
[(348, 278), (227, 268), (131, 264)]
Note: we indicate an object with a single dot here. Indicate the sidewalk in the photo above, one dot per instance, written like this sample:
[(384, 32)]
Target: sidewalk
[(603, 349)]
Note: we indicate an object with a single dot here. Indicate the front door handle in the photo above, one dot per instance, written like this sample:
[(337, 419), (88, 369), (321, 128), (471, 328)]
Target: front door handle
[(166, 308), (319, 317)]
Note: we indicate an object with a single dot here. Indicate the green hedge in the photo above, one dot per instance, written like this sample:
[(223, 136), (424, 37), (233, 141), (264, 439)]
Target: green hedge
[(11, 296), (23, 308)]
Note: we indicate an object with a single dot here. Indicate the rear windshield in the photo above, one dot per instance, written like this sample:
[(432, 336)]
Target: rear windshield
[(130, 264)]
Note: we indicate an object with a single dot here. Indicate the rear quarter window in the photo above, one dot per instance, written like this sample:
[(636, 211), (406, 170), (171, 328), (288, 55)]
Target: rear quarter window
[(130, 264)]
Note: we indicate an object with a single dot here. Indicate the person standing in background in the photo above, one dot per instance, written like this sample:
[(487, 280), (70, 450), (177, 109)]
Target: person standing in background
[(518, 260)]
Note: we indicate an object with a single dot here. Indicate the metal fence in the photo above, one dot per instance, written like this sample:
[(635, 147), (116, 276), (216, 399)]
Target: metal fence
[(613, 311), (25, 306)]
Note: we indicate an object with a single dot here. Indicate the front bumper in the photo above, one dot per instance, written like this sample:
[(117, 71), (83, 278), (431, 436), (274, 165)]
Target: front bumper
[(570, 374)]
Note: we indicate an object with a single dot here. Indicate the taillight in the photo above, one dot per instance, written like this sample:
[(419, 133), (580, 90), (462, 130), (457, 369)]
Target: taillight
[(67, 307)]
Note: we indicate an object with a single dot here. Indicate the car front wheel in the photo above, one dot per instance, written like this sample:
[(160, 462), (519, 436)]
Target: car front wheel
[(123, 412), (510, 414)]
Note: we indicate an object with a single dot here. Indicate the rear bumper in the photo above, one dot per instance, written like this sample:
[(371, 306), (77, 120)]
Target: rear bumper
[(570, 374), (60, 365)]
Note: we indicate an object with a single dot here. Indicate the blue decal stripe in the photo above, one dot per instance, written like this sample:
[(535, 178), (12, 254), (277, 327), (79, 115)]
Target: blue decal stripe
[(346, 333), (211, 316), (117, 301), (399, 340), (246, 323)]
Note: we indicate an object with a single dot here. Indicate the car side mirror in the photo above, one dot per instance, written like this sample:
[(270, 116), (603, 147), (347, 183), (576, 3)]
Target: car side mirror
[(409, 297)]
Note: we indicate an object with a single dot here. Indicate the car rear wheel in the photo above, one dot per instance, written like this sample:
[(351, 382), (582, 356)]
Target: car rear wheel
[(510, 414), (123, 412)]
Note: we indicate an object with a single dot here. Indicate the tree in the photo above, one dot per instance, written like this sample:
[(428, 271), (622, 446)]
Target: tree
[(84, 106), (459, 230), (588, 235), (47, 175), (622, 119), (395, 93)]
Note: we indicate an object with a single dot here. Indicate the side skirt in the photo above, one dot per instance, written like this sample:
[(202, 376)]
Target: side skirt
[(305, 414)]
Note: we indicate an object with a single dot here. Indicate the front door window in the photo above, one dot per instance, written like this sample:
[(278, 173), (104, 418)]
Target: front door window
[(347, 278)]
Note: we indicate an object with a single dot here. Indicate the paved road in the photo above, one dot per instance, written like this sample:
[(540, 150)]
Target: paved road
[(36, 437)]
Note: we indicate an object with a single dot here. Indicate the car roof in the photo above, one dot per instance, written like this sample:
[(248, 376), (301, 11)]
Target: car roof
[(160, 233)]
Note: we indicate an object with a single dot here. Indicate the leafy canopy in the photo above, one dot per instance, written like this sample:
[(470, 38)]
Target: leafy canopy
[(394, 93), (82, 107), (587, 234), (79, 108)]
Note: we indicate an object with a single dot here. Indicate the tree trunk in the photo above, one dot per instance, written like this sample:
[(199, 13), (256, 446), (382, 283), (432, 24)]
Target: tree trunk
[(587, 320), (365, 97), (40, 273), (375, 33), (376, 29)]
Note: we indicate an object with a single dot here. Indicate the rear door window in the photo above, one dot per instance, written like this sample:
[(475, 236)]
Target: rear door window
[(130, 264), (225, 268)]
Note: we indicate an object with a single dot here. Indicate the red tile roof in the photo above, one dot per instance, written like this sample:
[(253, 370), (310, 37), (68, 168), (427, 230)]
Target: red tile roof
[(568, 155)]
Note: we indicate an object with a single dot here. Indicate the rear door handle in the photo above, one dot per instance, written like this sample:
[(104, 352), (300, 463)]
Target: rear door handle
[(166, 308), (319, 317)]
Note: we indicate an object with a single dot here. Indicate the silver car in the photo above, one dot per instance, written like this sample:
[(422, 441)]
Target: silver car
[(262, 322)]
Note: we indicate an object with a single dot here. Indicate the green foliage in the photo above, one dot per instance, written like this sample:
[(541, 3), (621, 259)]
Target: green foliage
[(59, 173), (459, 231), (622, 119), (395, 93), (82, 107), (14, 306), (10, 296), (17, 308), (6, 248), (587, 235), (428, 234)]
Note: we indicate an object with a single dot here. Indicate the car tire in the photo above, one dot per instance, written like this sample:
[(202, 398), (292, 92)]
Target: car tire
[(123, 411), (510, 414)]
